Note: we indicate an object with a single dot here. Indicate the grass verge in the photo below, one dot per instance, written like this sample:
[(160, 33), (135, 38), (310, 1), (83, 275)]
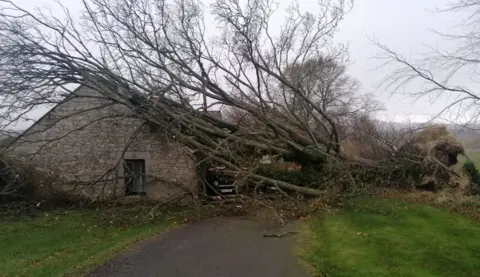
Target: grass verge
[(66, 242), (466, 205), (387, 237)]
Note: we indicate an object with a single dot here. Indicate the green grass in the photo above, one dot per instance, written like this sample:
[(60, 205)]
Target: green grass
[(65, 242), (384, 237)]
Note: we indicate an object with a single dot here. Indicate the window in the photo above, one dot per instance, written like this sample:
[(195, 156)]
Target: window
[(135, 179)]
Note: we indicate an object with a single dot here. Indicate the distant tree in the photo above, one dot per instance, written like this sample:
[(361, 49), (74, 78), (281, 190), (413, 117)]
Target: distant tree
[(327, 84)]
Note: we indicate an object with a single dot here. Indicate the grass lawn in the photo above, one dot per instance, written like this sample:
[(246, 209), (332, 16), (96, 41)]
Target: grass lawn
[(65, 242), (385, 237)]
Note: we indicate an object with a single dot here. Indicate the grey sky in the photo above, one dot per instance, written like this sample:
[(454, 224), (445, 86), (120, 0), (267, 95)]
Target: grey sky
[(402, 25)]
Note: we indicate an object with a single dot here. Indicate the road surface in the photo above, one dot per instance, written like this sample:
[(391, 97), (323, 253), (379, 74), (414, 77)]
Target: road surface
[(213, 248)]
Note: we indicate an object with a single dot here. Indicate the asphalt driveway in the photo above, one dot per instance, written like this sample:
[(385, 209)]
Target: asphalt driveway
[(214, 248)]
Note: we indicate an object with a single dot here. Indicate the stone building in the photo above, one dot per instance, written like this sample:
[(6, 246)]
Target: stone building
[(99, 149)]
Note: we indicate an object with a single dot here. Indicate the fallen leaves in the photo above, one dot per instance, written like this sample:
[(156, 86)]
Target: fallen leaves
[(363, 235)]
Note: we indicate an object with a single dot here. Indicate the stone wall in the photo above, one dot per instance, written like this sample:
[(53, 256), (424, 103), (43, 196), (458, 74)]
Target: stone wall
[(83, 141)]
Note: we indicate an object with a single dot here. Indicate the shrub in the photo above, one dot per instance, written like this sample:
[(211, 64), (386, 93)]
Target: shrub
[(20, 182), (307, 176), (471, 170)]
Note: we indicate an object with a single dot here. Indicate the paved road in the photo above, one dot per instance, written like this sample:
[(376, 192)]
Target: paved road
[(214, 248)]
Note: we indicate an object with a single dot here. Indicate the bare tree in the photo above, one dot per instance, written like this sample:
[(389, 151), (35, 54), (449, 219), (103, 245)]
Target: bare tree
[(155, 58), (450, 72), (327, 85)]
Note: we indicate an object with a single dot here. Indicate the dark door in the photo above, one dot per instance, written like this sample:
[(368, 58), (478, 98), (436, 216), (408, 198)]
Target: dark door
[(135, 179)]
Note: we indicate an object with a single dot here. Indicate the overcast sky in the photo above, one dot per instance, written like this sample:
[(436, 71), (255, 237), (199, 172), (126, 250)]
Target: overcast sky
[(405, 26)]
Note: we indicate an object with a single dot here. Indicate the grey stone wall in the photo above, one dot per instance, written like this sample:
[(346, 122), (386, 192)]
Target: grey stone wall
[(83, 141)]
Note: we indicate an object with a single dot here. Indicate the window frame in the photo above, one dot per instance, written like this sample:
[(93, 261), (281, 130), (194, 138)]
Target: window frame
[(143, 177)]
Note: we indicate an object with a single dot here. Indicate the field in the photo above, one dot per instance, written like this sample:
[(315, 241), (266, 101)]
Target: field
[(385, 237), (475, 157), (65, 242)]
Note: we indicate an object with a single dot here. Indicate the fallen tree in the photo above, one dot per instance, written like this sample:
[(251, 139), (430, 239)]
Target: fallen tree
[(155, 58)]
